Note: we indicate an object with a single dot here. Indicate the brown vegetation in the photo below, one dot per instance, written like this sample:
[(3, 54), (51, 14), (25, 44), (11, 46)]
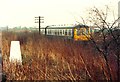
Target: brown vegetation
[(46, 58)]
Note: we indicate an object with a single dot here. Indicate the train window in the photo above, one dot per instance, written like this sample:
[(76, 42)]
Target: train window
[(96, 29), (91, 30), (78, 32), (87, 31), (65, 32), (50, 31), (60, 32), (69, 32), (83, 31), (55, 32)]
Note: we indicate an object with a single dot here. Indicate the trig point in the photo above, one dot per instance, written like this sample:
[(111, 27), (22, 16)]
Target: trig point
[(15, 52)]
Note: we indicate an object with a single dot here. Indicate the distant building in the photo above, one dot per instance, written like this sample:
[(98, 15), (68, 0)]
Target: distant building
[(119, 13)]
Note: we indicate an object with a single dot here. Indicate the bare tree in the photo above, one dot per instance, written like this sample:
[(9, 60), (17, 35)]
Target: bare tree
[(106, 37)]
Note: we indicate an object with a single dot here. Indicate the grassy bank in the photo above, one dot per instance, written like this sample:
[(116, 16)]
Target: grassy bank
[(54, 59)]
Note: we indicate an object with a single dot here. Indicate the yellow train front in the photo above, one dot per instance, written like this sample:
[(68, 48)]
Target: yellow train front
[(77, 32), (82, 32)]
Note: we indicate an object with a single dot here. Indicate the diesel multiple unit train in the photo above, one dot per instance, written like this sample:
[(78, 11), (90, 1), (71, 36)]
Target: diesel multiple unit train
[(76, 32)]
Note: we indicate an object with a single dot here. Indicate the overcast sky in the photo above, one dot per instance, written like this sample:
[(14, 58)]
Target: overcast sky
[(22, 12)]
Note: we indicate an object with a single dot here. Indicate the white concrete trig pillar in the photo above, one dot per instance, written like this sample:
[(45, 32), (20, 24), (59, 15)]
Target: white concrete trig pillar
[(15, 52)]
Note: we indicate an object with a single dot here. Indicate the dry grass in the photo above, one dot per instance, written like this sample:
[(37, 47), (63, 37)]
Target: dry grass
[(46, 58)]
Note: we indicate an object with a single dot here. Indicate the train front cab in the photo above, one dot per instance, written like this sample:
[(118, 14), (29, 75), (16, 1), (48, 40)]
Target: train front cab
[(82, 33)]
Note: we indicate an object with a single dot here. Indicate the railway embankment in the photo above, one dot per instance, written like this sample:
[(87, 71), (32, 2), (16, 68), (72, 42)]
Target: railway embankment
[(54, 59)]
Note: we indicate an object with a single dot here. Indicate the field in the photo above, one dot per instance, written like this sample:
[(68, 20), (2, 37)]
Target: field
[(46, 58)]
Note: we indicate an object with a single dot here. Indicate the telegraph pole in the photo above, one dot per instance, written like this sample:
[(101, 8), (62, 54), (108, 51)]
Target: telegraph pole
[(39, 20)]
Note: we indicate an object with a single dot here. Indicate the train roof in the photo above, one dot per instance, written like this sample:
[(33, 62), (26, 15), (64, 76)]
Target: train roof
[(81, 26), (67, 27)]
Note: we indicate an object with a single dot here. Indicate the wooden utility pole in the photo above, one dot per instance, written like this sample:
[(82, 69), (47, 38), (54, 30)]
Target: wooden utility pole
[(39, 20)]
